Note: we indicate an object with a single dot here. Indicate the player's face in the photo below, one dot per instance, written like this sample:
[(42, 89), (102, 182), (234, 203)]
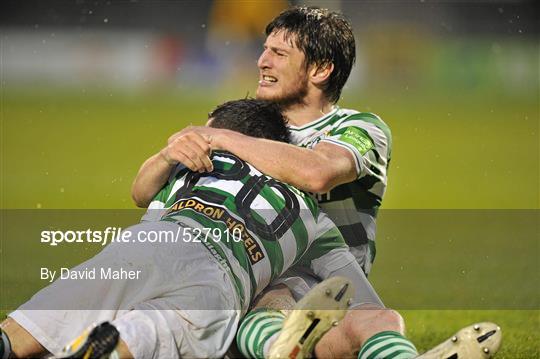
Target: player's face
[(282, 74)]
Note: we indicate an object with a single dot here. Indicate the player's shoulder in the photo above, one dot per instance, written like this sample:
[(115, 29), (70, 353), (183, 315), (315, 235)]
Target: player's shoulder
[(368, 121), (348, 115)]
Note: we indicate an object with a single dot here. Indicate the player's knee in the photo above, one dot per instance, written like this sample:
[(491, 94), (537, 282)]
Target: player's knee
[(277, 297), (390, 319), (361, 324)]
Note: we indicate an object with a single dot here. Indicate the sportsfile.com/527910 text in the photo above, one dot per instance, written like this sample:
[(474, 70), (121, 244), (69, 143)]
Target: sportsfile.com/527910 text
[(116, 234)]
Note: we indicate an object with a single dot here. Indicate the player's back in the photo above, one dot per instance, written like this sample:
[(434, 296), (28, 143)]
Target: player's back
[(353, 206), (256, 226)]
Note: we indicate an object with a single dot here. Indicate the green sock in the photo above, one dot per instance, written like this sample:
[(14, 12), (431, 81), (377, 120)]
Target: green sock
[(257, 327), (388, 345)]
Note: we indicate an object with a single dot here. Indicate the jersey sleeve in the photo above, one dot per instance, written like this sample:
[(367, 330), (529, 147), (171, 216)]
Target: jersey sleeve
[(156, 208), (368, 139), (324, 253), (327, 257)]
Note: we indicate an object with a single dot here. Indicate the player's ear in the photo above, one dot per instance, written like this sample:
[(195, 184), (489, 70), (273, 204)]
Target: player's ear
[(320, 73)]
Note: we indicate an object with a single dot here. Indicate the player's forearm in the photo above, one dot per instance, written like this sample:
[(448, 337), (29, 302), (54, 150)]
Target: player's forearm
[(300, 167), (151, 177)]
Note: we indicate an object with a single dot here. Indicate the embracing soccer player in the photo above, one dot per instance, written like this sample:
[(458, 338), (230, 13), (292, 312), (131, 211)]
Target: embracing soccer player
[(341, 154), (238, 230)]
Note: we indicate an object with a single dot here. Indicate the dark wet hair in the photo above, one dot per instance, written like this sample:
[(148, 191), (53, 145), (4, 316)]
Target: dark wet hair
[(324, 37), (256, 118)]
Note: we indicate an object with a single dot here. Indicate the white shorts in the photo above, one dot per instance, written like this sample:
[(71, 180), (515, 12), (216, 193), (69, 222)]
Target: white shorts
[(300, 280), (183, 303)]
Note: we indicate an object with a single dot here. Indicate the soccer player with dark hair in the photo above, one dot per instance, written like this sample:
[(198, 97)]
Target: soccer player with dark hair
[(257, 118), (341, 155), (190, 294)]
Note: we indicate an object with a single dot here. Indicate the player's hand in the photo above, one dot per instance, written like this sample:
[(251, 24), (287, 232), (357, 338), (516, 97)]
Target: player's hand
[(190, 148), (212, 135), (173, 137)]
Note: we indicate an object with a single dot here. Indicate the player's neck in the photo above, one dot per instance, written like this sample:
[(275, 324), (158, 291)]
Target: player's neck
[(307, 112)]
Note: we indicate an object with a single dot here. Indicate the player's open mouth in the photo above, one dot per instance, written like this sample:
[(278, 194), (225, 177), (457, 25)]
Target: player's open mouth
[(266, 80)]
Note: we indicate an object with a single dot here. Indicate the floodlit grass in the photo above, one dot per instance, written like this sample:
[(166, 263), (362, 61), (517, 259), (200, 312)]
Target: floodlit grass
[(520, 328)]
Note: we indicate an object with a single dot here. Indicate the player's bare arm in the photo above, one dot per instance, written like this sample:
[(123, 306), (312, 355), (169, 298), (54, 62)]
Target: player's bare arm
[(316, 170), (189, 148)]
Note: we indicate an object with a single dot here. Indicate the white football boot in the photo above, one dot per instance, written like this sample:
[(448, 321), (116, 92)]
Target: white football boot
[(478, 341), (311, 317)]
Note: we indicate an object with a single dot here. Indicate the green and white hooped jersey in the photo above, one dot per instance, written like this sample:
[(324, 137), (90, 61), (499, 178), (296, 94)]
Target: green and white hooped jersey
[(353, 206), (254, 225)]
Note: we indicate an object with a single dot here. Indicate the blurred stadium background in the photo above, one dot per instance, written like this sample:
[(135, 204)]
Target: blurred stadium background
[(89, 89)]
